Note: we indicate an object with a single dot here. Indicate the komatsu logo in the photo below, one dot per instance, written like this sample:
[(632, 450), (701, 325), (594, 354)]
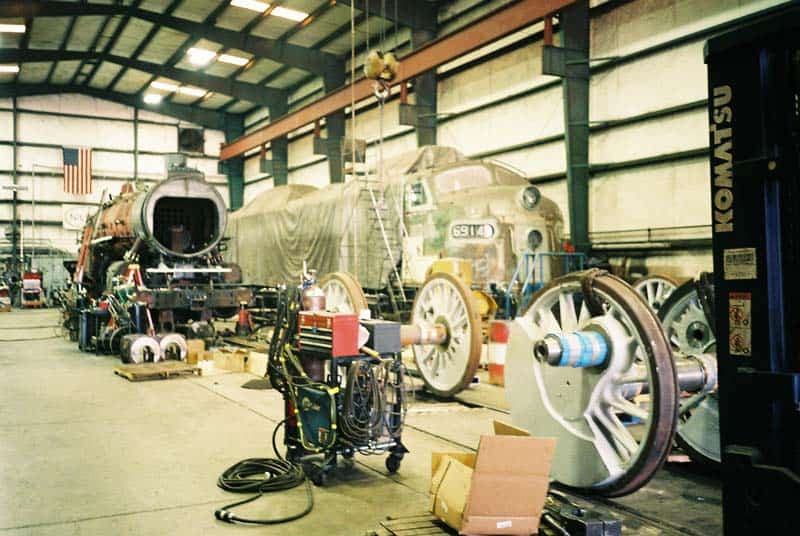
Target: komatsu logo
[(722, 134)]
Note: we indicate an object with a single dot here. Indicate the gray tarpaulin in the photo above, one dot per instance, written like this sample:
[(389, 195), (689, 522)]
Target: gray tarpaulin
[(333, 228)]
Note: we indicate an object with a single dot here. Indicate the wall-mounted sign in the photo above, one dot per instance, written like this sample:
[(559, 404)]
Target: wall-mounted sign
[(74, 216)]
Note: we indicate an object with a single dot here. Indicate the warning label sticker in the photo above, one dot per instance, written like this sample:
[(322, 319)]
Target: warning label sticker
[(739, 263), (740, 315)]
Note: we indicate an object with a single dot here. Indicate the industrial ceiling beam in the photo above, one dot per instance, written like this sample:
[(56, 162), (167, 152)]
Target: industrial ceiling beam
[(122, 25), (198, 116), (264, 96), (412, 13), (139, 49), (311, 60), (489, 29)]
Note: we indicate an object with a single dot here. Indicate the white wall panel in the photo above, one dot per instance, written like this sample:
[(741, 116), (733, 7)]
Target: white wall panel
[(666, 135), (214, 138), (151, 165), (157, 137), (314, 175), (537, 161), (76, 104), (666, 195), (671, 78), (6, 125), (74, 132), (6, 157), (148, 115)]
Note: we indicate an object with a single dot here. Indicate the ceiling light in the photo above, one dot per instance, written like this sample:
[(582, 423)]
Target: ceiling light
[(166, 86), (233, 60), (9, 68), (152, 98), (200, 56), (291, 14), (193, 91), (254, 5), (12, 28)]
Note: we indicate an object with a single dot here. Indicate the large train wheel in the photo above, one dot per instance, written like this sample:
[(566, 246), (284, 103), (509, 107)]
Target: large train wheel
[(449, 367), (689, 332), (614, 417), (343, 294), (655, 289)]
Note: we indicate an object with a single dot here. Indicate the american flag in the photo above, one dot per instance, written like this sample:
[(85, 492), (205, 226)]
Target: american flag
[(77, 170)]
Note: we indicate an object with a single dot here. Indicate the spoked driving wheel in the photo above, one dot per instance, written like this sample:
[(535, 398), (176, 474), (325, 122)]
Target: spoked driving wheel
[(590, 365), (655, 289), (690, 332), (343, 294), (447, 361)]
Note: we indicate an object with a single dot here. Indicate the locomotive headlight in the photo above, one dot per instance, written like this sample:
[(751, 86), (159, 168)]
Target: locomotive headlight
[(534, 239), (530, 197)]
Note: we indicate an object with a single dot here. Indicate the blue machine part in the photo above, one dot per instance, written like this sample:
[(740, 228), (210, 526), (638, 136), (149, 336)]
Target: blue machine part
[(582, 349)]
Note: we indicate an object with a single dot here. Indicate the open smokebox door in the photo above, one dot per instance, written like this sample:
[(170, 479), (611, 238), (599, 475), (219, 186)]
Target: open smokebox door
[(182, 217)]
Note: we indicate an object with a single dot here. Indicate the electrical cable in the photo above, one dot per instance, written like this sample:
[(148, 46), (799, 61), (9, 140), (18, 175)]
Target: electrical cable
[(261, 476)]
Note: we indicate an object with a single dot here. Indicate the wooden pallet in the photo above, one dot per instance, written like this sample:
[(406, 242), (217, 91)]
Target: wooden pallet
[(423, 524), (156, 371)]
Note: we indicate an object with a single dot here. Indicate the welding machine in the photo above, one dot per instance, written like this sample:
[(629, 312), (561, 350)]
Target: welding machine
[(342, 383)]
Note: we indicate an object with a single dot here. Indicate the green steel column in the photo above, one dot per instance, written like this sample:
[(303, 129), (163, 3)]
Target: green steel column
[(574, 24), (425, 87), (234, 128), (15, 260), (279, 147), (335, 126)]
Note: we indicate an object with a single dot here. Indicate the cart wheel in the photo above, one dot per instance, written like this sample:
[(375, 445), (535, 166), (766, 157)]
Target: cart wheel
[(343, 294), (319, 477), (393, 462)]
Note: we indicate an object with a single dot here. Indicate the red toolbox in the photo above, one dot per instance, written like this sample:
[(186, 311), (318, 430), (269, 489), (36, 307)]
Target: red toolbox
[(332, 334)]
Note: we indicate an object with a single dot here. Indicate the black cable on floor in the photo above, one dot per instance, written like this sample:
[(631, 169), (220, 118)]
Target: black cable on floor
[(260, 476)]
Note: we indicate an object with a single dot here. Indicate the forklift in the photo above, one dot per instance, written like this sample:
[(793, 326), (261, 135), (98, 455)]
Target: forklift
[(754, 130)]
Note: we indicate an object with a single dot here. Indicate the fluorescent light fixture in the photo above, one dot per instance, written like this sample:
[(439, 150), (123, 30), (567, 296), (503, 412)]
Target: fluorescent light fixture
[(200, 56), (152, 98), (12, 28), (193, 91), (233, 60), (287, 13), (254, 5), (164, 86), (9, 68)]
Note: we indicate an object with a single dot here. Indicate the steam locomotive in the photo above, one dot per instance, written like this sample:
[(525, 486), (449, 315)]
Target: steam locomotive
[(152, 259)]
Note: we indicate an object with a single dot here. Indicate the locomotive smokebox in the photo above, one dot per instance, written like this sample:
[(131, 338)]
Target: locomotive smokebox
[(182, 217)]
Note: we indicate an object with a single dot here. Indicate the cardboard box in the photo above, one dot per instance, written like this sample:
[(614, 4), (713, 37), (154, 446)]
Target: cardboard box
[(500, 490), (257, 363), (232, 360), (194, 350)]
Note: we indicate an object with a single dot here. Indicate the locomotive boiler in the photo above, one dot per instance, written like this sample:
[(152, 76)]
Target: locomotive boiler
[(161, 247)]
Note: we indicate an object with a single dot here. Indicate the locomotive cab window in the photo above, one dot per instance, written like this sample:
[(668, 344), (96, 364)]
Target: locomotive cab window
[(416, 195), (184, 225)]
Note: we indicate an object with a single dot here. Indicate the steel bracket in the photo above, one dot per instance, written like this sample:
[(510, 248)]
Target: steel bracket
[(565, 62)]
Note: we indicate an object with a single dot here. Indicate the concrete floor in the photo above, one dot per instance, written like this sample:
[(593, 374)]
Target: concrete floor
[(84, 452)]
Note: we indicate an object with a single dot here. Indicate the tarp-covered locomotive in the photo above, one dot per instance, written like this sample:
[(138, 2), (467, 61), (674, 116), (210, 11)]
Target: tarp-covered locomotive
[(432, 203)]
